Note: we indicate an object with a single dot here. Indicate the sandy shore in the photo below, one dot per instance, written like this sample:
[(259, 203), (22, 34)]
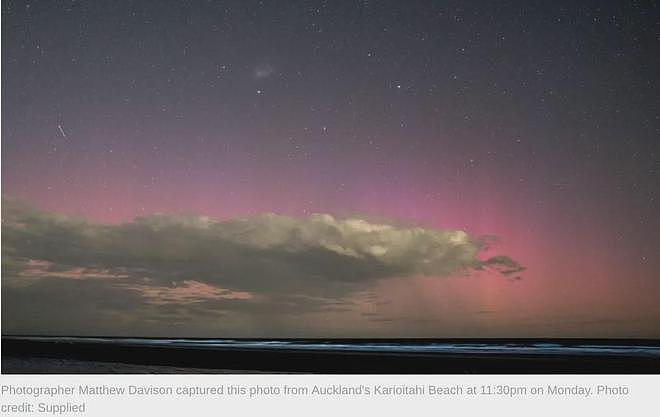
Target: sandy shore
[(18, 365)]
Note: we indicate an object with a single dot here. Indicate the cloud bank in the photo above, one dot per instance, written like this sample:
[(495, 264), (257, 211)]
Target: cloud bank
[(260, 264)]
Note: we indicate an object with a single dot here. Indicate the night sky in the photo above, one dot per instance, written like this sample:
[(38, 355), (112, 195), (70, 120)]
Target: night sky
[(332, 168)]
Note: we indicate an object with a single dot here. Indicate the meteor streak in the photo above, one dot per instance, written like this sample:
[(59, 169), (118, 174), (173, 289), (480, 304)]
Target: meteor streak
[(62, 131)]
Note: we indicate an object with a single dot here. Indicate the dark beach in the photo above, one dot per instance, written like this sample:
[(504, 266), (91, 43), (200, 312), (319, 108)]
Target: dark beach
[(55, 355)]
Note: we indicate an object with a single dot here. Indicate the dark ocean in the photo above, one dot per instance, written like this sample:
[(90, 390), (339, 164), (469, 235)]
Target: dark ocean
[(619, 347)]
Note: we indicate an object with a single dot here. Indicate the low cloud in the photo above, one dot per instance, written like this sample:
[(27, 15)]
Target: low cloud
[(258, 264)]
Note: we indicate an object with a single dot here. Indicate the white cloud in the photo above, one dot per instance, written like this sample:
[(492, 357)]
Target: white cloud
[(263, 267), (310, 251)]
